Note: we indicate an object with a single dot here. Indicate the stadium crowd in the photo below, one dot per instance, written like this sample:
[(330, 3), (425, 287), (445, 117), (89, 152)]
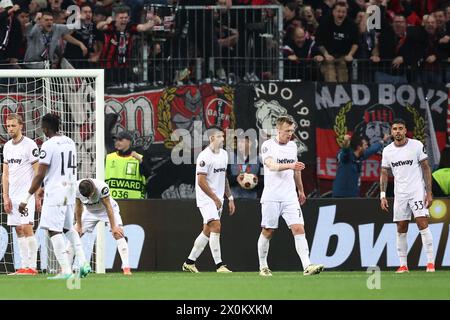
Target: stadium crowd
[(321, 40)]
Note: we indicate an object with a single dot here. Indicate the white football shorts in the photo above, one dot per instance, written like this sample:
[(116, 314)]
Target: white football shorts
[(272, 210), (57, 218), (89, 220), (15, 218), (413, 204), (209, 212)]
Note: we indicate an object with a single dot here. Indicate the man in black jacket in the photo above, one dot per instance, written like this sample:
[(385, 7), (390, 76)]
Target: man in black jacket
[(337, 39)]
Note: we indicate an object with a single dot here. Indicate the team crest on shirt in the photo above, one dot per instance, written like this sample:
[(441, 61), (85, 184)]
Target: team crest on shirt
[(264, 149), (105, 191), (202, 163), (35, 152), (42, 154)]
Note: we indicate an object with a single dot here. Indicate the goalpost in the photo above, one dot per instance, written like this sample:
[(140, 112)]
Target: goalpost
[(77, 96)]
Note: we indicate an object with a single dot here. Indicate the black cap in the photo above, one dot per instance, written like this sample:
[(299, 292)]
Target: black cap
[(124, 135)]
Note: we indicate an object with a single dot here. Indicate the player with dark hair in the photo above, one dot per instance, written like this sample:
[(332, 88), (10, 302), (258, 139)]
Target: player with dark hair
[(407, 160), (93, 204), (58, 170)]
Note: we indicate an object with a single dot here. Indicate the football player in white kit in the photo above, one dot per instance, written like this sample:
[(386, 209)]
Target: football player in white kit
[(93, 195), (211, 184), (21, 155), (58, 170), (282, 174), (407, 160)]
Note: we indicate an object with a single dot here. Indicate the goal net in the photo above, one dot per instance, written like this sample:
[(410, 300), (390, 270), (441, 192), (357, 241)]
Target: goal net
[(77, 96)]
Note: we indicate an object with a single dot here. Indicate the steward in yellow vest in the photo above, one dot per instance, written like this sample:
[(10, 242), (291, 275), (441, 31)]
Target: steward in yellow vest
[(124, 172)]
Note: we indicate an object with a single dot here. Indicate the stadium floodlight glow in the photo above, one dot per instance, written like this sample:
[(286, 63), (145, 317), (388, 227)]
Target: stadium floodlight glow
[(77, 96)]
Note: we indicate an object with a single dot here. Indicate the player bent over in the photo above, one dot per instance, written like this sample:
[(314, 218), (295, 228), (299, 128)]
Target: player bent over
[(94, 204)]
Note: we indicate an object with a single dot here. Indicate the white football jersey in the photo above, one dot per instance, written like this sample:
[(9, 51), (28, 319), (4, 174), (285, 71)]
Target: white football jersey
[(94, 204), (214, 165), (279, 185), (60, 154), (404, 161), (20, 158)]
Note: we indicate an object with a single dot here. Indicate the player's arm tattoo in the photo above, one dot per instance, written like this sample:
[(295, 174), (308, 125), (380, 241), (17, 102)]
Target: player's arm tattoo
[(384, 179), (426, 173), (227, 188)]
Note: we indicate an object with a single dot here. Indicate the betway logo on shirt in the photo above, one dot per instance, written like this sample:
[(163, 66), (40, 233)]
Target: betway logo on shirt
[(219, 170), (18, 161), (402, 163), (285, 160)]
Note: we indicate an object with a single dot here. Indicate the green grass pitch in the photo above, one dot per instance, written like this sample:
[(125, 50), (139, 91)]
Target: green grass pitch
[(235, 286)]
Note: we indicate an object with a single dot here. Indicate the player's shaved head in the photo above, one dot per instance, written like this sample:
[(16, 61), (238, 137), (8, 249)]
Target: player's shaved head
[(86, 187), (50, 122), (213, 130)]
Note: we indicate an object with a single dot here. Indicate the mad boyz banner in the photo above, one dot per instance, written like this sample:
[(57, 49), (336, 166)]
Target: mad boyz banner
[(368, 110), (258, 107)]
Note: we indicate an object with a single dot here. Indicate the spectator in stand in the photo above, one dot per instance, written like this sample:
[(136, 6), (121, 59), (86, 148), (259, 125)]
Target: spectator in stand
[(300, 53), (404, 8), (91, 38), (366, 44), (36, 6), (366, 38), (291, 14), (434, 53), (391, 52), (337, 38), (226, 33), (136, 7), (24, 19), (324, 9), (10, 35), (309, 21), (45, 42), (118, 43), (99, 15), (439, 15)]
